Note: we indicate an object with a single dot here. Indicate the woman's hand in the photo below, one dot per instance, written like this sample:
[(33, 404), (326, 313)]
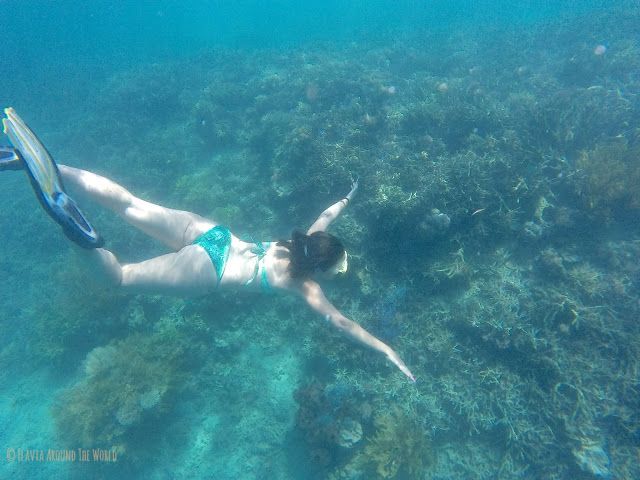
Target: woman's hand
[(354, 188), (397, 361)]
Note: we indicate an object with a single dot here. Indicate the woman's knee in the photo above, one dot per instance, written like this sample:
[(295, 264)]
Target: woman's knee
[(104, 266)]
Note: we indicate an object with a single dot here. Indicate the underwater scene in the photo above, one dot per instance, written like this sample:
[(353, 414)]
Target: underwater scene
[(493, 243)]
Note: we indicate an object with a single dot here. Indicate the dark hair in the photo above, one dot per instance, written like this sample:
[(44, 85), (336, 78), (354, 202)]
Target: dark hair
[(309, 253)]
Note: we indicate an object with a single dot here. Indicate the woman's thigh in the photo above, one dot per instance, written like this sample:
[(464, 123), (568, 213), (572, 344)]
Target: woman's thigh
[(184, 273), (174, 228)]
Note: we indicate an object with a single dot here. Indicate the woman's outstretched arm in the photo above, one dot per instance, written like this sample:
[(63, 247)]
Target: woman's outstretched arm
[(331, 213), (314, 296)]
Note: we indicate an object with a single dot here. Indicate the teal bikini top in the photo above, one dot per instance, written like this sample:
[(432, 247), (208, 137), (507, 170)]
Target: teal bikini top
[(260, 251)]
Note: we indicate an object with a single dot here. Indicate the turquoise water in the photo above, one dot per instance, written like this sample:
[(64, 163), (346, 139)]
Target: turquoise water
[(493, 244)]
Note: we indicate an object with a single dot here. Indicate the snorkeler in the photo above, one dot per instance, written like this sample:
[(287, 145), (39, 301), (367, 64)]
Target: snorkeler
[(206, 255)]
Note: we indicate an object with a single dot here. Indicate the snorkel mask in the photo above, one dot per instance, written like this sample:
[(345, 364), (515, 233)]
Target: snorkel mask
[(342, 266)]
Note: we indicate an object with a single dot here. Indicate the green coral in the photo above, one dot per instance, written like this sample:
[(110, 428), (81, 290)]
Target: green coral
[(610, 175), (399, 448), (125, 384)]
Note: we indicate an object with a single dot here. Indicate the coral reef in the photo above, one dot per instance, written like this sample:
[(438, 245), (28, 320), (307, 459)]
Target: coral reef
[(384, 323), (332, 418), (329, 416), (125, 387), (609, 177), (398, 449), (78, 305)]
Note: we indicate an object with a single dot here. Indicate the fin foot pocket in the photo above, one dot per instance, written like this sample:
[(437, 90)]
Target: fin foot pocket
[(9, 159)]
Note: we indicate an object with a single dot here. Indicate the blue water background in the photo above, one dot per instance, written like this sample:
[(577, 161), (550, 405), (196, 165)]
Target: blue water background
[(56, 51), (43, 39)]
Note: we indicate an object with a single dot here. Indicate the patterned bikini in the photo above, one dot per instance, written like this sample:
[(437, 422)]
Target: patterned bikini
[(217, 243)]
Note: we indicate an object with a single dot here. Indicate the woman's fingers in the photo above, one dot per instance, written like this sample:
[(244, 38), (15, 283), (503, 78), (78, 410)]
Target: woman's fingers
[(393, 356)]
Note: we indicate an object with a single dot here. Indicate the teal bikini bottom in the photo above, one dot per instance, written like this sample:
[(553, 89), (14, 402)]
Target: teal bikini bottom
[(216, 242)]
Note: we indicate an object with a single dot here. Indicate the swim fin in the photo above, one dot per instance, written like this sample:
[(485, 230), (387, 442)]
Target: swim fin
[(46, 181), (9, 159)]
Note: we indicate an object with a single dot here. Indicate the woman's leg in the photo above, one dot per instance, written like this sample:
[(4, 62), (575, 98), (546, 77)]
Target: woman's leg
[(174, 228), (183, 273)]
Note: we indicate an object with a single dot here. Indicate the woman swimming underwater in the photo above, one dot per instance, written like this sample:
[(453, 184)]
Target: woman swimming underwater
[(206, 255)]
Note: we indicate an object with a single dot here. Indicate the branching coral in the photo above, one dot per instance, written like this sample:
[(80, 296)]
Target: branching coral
[(399, 448)]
